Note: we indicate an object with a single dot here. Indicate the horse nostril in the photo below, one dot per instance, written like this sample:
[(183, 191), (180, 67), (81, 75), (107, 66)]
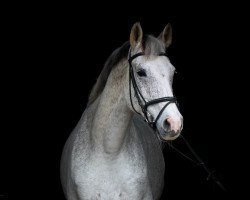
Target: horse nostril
[(171, 124), (166, 125)]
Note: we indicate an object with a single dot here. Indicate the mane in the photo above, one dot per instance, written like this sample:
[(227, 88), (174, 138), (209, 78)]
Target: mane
[(150, 46)]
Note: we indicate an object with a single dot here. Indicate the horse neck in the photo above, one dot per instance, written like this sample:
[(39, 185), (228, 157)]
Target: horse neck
[(112, 116)]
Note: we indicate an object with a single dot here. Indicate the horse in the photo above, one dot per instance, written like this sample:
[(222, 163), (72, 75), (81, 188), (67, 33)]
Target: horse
[(114, 152)]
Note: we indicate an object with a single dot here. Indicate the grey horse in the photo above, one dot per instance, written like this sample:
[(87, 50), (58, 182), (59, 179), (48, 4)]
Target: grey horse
[(114, 152)]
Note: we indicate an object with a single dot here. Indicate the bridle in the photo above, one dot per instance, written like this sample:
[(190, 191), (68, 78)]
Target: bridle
[(152, 123), (141, 100)]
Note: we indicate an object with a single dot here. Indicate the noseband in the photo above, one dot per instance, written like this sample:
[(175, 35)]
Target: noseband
[(141, 100)]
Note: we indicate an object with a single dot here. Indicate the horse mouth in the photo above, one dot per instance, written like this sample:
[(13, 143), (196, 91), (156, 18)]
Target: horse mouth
[(169, 135)]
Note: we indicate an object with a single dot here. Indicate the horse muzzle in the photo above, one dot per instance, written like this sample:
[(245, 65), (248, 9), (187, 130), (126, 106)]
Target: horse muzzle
[(170, 128)]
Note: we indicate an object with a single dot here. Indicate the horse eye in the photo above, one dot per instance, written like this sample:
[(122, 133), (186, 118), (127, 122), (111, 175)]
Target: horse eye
[(141, 73)]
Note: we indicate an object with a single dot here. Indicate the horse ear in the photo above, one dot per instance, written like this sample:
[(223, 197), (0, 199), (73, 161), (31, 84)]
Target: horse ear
[(166, 35), (136, 35)]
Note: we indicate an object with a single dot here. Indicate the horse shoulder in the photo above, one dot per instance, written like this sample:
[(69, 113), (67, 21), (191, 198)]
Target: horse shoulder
[(75, 151)]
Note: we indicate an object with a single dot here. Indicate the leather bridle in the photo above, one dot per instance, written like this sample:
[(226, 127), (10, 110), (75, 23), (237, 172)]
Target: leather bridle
[(144, 107), (141, 100)]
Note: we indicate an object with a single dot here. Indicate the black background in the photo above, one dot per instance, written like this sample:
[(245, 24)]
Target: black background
[(63, 49)]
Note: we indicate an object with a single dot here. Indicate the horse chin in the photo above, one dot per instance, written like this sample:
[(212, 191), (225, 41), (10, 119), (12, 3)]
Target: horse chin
[(167, 136)]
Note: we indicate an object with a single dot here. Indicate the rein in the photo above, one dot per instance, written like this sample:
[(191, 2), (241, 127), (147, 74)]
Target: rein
[(152, 122), (200, 163)]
